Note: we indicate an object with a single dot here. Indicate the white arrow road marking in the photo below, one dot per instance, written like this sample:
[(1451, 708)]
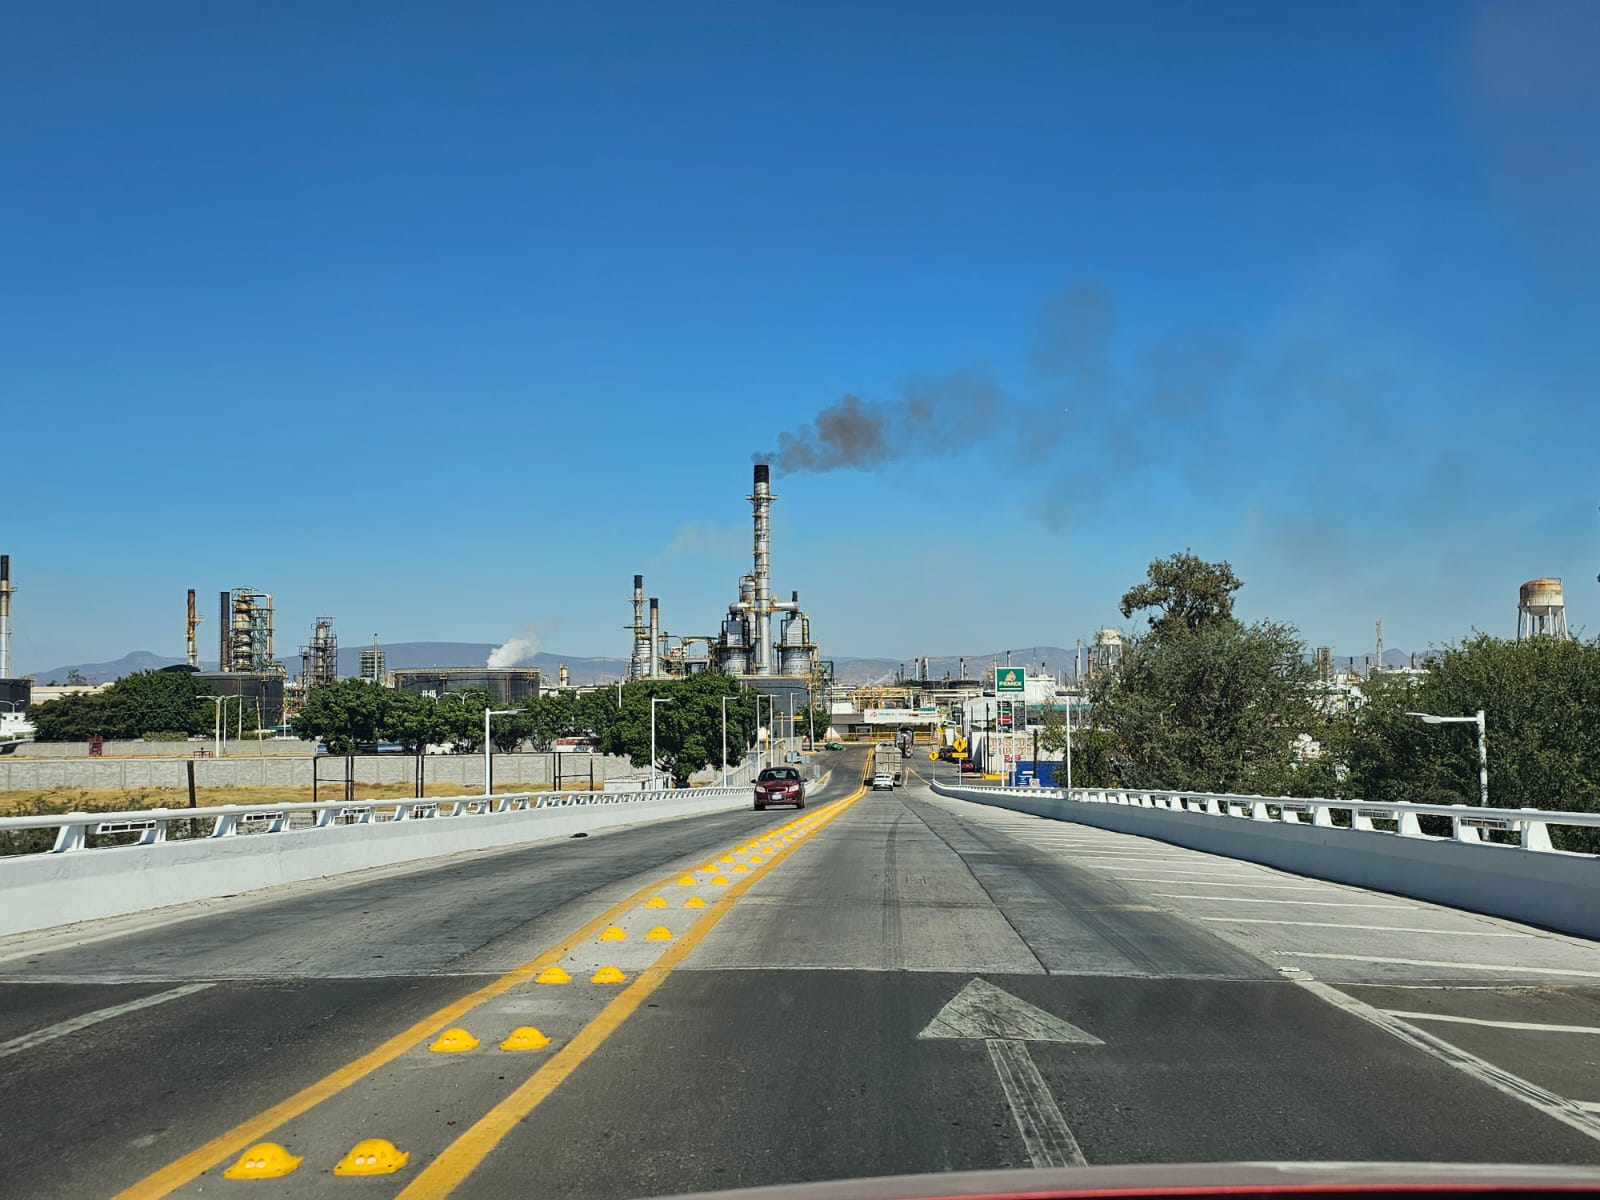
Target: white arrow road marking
[(1006, 1025)]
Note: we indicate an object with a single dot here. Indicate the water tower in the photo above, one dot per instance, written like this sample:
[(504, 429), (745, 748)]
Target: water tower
[(1541, 609)]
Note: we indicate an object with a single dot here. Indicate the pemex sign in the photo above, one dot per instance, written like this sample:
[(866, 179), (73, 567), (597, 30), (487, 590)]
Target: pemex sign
[(1010, 681)]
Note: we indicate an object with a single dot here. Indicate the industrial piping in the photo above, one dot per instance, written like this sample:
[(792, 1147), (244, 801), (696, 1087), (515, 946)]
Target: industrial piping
[(761, 502)]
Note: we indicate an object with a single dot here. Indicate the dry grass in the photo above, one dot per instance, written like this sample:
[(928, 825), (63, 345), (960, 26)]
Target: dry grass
[(54, 800)]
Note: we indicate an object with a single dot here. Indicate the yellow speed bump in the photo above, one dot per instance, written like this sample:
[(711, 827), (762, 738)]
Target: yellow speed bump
[(740, 867), (727, 858), (264, 1160), (374, 1156), (710, 866), (695, 901), (525, 1037), (552, 975), (608, 975), (612, 933), (686, 881), (659, 934), (655, 902), (754, 860), (722, 880), (453, 1041)]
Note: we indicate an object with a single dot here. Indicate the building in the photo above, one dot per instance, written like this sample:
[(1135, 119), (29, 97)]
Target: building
[(507, 685)]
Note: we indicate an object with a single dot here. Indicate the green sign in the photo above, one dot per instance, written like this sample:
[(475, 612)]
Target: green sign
[(1010, 681)]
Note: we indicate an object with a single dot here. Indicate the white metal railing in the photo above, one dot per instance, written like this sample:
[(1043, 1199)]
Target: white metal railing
[(1530, 827), (153, 825)]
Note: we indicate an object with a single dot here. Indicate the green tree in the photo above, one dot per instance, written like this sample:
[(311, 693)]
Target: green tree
[(1186, 592), (1093, 749), (83, 715), (345, 714), (689, 730), (1539, 697), (173, 702), (412, 720)]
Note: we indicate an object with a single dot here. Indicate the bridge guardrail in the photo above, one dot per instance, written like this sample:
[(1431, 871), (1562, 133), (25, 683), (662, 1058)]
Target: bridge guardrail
[(1468, 822), (1497, 861), (156, 864)]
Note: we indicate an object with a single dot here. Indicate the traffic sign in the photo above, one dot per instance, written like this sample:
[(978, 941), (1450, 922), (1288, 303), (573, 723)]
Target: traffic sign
[(959, 744), (1010, 681), (933, 756)]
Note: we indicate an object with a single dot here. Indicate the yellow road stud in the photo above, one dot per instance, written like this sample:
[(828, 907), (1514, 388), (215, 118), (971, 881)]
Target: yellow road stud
[(755, 860), (552, 975), (711, 866), (741, 867), (374, 1156), (655, 902), (525, 1037), (694, 902), (608, 975), (722, 880), (453, 1041), (612, 934), (727, 858), (659, 934), (264, 1160), (686, 881)]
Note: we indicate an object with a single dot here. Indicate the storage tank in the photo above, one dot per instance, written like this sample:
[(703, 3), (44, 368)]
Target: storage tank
[(1541, 609)]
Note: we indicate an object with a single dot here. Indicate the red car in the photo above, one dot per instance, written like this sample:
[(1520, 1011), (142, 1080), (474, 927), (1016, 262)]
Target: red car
[(780, 785)]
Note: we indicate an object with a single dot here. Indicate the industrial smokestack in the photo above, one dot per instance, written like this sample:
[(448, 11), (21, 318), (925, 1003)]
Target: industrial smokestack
[(636, 664), (225, 633), (761, 504), (653, 661), (5, 616), (191, 649)]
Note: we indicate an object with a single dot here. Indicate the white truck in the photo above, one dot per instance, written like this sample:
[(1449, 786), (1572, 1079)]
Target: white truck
[(888, 764)]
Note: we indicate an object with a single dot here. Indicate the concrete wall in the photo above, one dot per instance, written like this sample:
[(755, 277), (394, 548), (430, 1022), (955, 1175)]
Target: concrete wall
[(45, 890), (460, 770), (279, 747), (1546, 888)]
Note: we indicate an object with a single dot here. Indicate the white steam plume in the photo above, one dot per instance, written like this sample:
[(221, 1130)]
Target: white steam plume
[(513, 652)]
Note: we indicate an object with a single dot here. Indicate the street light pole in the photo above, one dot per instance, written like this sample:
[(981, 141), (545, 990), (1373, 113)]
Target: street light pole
[(725, 741), (1483, 745), (488, 746), (654, 700)]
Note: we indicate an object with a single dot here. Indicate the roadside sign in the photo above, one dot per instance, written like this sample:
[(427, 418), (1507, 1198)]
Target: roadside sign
[(959, 745), (1010, 681), (933, 756)]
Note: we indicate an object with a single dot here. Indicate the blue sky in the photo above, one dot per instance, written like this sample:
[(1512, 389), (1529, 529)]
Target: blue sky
[(443, 320)]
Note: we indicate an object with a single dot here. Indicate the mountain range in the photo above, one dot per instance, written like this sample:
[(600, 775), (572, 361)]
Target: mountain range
[(1054, 660)]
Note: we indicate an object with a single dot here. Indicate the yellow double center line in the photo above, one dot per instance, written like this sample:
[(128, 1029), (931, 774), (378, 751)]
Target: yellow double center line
[(463, 1155)]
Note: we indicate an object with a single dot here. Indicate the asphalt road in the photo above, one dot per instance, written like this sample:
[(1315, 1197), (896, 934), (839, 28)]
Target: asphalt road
[(888, 983)]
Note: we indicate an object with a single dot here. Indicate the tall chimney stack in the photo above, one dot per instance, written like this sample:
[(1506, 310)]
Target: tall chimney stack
[(636, 664), (761, 504), (192, 648), (225, 634), (5, 616), (653, 658)]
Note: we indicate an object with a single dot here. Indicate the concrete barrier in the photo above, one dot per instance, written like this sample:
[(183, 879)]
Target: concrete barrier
[(1539, 886), (45, 890)]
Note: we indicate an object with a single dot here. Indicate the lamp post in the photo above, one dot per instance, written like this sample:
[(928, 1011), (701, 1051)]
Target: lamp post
[(790, 743), (218, 729), (654, 700), (725, 741), (1483, 745), (1069, 745), (488, 746)]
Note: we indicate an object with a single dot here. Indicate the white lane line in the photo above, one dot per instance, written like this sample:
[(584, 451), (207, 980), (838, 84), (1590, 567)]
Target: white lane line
[(1343, 925), (1535, 1026), (73, 1024), (1506, 968), (1588, 1105), (1281, 887), (1277, 900), (1044, 1130), (1518, 1088)]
